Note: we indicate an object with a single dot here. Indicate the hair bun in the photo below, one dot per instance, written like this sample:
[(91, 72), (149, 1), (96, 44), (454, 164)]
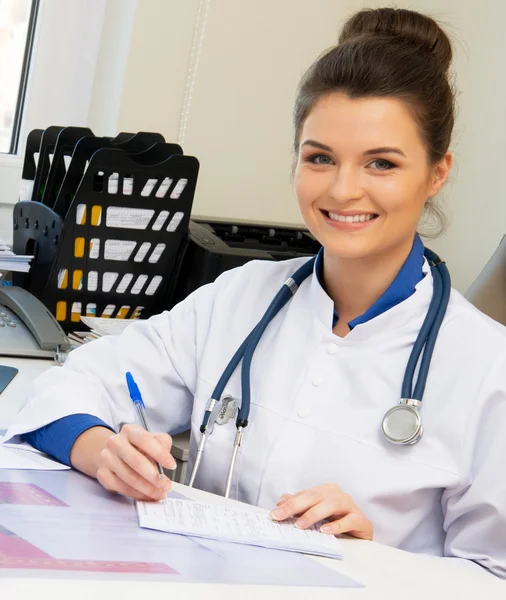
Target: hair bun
[(401, 24)]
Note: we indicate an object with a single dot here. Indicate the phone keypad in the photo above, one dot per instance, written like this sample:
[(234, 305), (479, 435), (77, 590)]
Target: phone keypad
[(6, 320)]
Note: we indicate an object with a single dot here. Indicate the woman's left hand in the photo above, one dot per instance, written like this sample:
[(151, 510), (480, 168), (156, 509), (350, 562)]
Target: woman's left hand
[(325, 502)]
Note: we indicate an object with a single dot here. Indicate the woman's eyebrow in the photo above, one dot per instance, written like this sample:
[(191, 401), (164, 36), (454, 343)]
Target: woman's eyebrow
[(384, 150), (316, 144)]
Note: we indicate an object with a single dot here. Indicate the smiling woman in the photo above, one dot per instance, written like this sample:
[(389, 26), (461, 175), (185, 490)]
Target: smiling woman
[(373, 123)]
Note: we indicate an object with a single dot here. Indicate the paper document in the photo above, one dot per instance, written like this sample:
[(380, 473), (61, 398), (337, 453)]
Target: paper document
[(13, 262), (24, 456), (209, 521), (107, 326)]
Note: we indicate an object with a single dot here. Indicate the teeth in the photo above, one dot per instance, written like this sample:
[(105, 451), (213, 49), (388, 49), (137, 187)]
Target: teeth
[(354, 219)]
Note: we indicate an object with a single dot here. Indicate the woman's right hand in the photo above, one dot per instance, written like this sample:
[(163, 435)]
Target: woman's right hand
[(126, 463)]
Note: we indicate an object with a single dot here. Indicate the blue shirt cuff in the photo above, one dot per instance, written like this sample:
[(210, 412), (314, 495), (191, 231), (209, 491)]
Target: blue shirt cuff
[(57, 438)]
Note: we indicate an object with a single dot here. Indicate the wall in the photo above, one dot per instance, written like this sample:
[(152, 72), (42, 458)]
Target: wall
[(230, 104)]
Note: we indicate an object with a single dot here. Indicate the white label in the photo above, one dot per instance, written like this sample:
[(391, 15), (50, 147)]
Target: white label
[(174, 222), (112, 184), (128, 186), (108, 310), (93, 282), (94, 247), (80, 214), (149, 187), (157, 252), (128, 218), (142, 251), (178, 189), (160, 220), (118, 249), (61, 276), (124, 283), (138, 285), (153, 286), (164, 186), (108, 280)]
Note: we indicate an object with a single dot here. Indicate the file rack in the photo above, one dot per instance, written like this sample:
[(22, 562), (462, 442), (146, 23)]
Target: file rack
[(118, 241)]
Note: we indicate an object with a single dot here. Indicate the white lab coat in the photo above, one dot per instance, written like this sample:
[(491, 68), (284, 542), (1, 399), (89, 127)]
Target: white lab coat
[(317, 405)]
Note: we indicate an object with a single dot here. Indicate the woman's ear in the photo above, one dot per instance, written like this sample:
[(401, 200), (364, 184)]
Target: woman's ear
[(440, 174)]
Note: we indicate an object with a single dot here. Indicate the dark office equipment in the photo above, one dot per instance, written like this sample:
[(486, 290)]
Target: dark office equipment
[(213, 247)]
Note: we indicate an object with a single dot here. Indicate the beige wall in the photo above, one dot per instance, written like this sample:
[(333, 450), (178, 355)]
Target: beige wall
[(238, 101)]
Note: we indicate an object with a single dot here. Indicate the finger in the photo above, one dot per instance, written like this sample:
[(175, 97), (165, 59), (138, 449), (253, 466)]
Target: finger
[(165, 439), (355, 524), (334, 507), (155, 445), (284, 498), (114, 464), (121, 447), (296, 505), (112, 483)]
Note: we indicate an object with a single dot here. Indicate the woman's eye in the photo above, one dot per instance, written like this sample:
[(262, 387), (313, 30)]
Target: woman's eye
[(320, 159), (382, 164)]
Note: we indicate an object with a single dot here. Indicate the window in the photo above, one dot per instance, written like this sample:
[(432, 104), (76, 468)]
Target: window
[(56, 78), (17, 26)]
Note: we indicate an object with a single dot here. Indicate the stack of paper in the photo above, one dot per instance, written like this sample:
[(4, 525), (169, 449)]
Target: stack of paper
[(13, 262), (99, 327), (215, 522), (23, 456)]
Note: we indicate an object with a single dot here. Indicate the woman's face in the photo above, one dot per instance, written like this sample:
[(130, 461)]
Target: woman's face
[(362, 176)]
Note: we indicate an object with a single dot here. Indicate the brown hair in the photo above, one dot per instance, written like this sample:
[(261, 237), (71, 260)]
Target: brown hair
[(389, 52)]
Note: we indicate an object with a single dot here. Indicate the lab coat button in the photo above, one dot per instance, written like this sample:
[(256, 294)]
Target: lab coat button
[(317, 380), (303, 412), (332, 348)]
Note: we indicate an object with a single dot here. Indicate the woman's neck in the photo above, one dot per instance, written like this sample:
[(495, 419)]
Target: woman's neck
[(356, 284)]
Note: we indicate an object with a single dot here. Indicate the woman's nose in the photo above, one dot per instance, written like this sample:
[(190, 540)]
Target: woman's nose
[(345, 185)]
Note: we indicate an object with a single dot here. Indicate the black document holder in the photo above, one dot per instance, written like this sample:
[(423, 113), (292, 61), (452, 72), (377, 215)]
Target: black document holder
[(71, 273)]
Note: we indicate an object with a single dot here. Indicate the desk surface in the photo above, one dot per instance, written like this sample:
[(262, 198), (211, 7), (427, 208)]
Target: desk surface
[(14, 396), (387, 573)]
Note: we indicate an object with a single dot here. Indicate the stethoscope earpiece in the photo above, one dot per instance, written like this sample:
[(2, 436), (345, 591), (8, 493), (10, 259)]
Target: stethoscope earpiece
[(402, 424)]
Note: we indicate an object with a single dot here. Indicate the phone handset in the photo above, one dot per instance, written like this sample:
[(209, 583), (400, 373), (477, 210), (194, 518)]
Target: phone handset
[(47, 332)]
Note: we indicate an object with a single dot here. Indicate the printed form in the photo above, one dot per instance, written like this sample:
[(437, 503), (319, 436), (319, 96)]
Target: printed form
[(209, 521)]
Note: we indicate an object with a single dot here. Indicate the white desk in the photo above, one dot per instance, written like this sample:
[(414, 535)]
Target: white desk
[(14, 396), (386, 572)]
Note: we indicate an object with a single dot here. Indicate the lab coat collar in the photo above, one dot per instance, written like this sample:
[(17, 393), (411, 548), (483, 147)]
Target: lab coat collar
[(400, 314)]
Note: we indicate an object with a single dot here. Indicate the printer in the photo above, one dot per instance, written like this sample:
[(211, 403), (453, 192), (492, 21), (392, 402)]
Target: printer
[(214, 246)]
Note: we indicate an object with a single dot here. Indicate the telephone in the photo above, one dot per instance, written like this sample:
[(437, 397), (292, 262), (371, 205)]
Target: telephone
[(27, 328)]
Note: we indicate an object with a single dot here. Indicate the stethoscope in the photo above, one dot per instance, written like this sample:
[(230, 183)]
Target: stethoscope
[(402, 424)]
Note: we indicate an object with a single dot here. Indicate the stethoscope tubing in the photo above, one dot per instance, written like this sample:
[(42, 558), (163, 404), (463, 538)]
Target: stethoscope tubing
[(425, 340)]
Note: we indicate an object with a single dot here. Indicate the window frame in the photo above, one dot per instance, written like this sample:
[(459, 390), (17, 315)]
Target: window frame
[(59, 78)]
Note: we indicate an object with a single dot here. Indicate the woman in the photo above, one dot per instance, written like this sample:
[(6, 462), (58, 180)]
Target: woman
[(373, 123)]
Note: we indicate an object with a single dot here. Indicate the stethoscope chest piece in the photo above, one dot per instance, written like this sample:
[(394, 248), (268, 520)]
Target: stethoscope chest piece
[(402, 424)]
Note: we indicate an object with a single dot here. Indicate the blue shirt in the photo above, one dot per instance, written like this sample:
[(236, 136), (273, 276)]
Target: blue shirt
[(401, 288), (57, 438)]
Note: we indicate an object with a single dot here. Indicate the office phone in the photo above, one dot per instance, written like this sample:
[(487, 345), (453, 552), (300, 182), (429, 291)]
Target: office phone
[(27, 328)]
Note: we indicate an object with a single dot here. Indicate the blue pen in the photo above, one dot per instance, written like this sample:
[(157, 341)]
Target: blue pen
[(135, 394)]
